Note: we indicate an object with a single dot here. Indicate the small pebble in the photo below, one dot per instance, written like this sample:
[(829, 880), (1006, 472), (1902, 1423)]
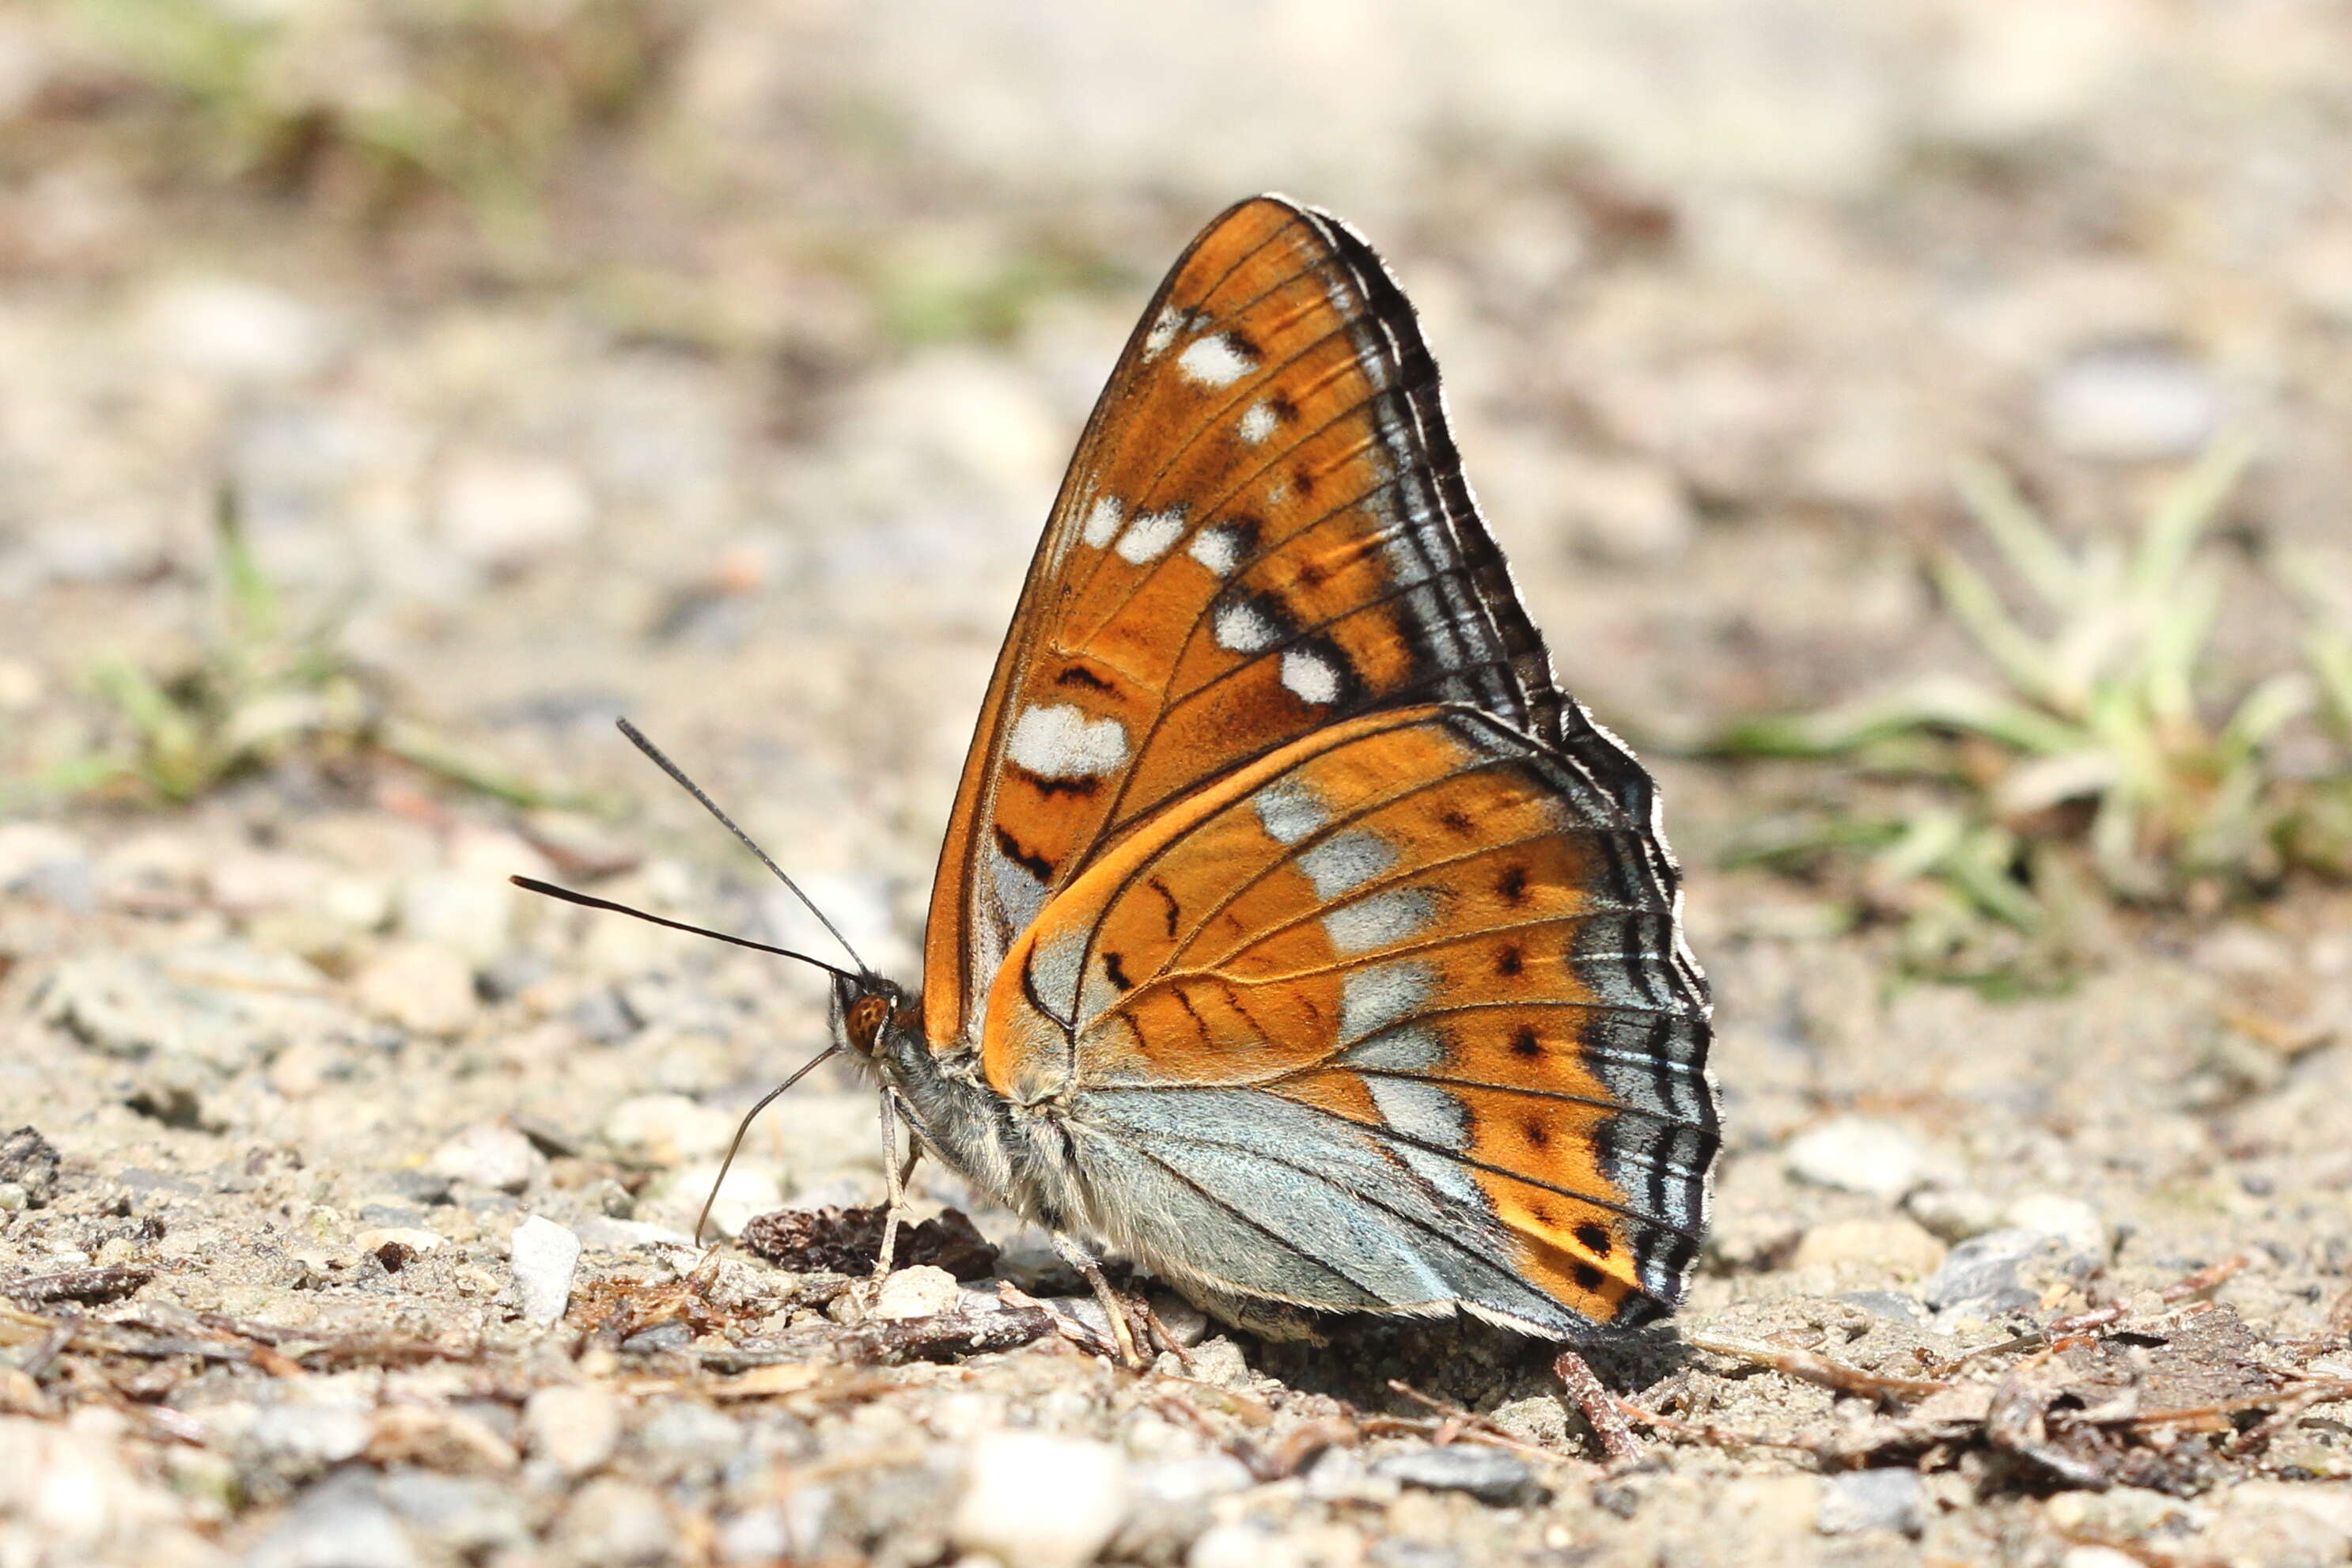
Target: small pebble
[(502, 513), (684, 1443), (465, 1517), (1872, 1499), (1892, 1305), (294, 1441), (1219, 1361), (617, 1522), (2098, 1557), (921, 1292), (1895, 1245), (573, 1426), (2130, 404), (1040, 1502), (659, 1339), (29, 1162), (1858, 1154), (238, 329), (425, 988), (1489, 1474), (1954, 1213), (469, 915), (341, 1523), (1243, 1544), (488, 1155), (668, 1129), (1168, 1504), (544, 1253), (1980, 1275), (2069, 1220)]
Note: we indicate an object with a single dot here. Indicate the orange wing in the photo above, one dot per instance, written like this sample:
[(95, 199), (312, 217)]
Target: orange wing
[(1434, 955), (1265, 531)]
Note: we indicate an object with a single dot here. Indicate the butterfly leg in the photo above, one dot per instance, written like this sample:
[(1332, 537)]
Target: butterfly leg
[(895, 1173), (1599, 1408), (1113, 1305)]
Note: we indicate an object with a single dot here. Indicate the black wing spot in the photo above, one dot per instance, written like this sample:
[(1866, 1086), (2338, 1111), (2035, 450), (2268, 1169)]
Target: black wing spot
[(1539, 1135), (1282, 408), (1161, 888), (1513, 886), (1034, 864), (1510, 959), (1082, 785), (1453, 819), (1079, 675), (1594, 1238), (1303, 483), (1245, 347), (1117, 970), (1587, 1276), (1524, 1044)]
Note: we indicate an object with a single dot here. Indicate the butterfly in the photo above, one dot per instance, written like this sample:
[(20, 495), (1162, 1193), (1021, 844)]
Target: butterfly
[(1294, 934)]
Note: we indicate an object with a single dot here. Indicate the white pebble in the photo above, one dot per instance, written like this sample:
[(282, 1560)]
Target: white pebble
[(420, 987), (1858, 1154), (487, 1155), (573, 1426), (1242, 1545), (232, 328), (1041, 1502), (503, 513), (2130, 404), (544, 1255), (921, 1292), (2070, 1220)]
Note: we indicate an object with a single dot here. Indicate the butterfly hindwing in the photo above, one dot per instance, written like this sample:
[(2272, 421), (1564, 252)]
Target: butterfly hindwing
[(1264, 531), (1425, 945)]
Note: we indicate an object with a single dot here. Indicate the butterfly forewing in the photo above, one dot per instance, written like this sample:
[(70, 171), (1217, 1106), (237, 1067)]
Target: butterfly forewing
[(1423, 934), (1264, 531)]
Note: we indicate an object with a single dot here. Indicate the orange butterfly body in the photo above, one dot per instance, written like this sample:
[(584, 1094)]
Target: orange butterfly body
[(1293, 931)]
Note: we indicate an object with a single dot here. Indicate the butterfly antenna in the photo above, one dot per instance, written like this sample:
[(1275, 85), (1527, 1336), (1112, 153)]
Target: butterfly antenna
[(638, 739), (745, 1126), (590, 900)]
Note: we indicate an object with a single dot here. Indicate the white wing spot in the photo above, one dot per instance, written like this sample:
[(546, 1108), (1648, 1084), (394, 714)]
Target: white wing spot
[(1421, 1111), (1289, 811), (1149, 535), (1416, 1049), (1345, 861), (1377, 995), (1379, 920), (1062, 742), (1257, 422), (1102, 521), (1164, 328), (1213, 361), (1310, 676), (1241, 629), (1217, 549)]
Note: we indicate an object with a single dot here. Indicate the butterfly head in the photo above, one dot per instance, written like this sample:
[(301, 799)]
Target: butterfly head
[(869, 1007)]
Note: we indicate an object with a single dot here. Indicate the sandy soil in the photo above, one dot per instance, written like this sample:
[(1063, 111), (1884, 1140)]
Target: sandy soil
[(746, 431)]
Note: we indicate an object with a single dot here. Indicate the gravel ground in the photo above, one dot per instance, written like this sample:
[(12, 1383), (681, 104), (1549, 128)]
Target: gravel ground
[(347, 1221)]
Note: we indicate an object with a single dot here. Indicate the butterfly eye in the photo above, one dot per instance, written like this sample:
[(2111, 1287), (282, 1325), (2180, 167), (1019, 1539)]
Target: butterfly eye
[(865, 1020)]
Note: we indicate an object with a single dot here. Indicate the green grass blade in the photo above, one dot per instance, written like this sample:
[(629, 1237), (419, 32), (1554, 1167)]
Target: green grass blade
[(2029, 547)]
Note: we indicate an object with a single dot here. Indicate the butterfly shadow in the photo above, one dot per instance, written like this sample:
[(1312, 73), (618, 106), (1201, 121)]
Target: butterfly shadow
[(1462, 1363)]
